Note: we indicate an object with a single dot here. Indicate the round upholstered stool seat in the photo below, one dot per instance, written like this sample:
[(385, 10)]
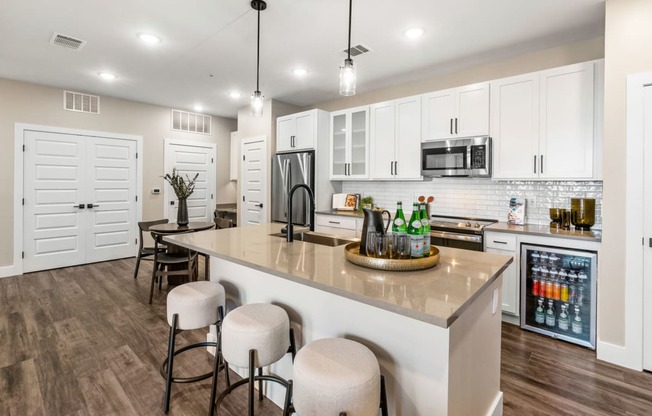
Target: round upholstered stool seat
[(191, 306), (196, 304), (335, 375), (258, 326)]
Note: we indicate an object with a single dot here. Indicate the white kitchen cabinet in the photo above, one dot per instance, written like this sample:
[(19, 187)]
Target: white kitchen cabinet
[(296, 132), (506, 244), (235, 157), (337, 225), (457, 112), (349, 145), (542, 124), (395, 139)]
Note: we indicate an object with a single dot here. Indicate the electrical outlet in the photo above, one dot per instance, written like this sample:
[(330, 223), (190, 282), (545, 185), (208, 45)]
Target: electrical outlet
[(532, 202)]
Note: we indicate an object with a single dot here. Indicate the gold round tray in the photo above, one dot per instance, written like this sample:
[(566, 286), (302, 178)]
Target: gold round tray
[(352, 254)]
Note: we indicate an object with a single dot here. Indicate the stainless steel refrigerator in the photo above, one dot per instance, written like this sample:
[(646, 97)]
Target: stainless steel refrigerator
[(558, 292), (289, 169)]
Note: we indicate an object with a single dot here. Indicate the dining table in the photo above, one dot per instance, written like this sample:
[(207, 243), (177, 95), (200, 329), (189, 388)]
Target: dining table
[(173, 228)]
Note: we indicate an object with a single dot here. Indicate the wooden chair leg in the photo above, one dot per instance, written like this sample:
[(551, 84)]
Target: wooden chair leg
[(207, 268), (151, 287), (137, 266)]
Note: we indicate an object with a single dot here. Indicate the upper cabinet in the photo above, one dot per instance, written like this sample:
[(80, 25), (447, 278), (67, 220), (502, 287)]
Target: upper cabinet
[(296, 132), (349, 146), (395, 138), (542, 124), (457, 112)]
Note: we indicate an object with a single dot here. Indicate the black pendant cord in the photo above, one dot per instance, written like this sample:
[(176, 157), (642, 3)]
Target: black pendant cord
[(349, 50), (258, 54)]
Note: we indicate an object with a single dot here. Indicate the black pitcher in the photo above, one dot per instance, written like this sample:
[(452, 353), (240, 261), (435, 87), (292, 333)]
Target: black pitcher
[(373, 221)]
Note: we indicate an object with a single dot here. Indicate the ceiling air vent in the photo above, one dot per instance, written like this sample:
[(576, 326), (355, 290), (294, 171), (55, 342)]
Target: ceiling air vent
[(357, 50), (83, 103), (191, 122), (67, 41)]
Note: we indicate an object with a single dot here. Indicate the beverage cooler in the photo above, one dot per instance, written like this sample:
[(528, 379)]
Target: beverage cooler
[(558, 293)]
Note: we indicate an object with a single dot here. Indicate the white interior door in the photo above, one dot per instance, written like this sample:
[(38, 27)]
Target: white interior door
[(190, 159), (254, 174), (647, 232), (63, 174)]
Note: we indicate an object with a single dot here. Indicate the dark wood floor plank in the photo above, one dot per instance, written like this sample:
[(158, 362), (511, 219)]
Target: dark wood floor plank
[(58, 385), (19, 390), (105, 395)]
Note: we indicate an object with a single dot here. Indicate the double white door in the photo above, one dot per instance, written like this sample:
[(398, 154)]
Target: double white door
[(80, 199)]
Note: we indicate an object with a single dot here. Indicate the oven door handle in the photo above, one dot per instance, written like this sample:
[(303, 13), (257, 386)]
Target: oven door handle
[(456, 236)]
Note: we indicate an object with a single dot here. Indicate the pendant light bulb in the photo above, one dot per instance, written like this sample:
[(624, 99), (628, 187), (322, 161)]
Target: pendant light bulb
[(347, 78), (257, 104)]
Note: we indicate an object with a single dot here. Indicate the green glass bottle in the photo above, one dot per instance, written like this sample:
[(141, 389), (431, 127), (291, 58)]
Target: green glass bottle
[(398, 225), (415, 231), (425, 225)]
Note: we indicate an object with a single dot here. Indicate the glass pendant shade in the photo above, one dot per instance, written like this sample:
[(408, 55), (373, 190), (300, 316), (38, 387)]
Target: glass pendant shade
[(257, 104), (347, 78)]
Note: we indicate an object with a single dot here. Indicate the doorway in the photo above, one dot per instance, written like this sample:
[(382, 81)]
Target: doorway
[(79, 196), (190, 159), (647, 227), (253, 172)]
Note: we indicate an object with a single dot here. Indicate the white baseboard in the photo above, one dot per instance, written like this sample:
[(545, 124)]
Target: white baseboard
[(617, 354), (497, 408), (7, 271)]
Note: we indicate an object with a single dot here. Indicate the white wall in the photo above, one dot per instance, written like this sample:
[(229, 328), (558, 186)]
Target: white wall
[(36, 104)]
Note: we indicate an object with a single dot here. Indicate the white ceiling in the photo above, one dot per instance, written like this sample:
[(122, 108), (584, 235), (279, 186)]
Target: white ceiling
[(218, 37)]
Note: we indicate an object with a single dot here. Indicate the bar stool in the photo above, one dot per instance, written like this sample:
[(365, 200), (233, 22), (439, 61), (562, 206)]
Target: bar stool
[(254, 336), (336, 376), (191, 306)]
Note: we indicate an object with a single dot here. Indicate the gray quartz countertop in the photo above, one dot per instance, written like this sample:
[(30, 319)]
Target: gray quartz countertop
[(438, 295), (545, 231), (341, 213)]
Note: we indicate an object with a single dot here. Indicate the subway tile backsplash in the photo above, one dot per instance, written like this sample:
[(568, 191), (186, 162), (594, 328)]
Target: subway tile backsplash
[(482, 198)]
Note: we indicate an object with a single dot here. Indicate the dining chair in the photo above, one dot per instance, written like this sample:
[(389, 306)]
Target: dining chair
[(223, 223), (184, 262), (143, 227)]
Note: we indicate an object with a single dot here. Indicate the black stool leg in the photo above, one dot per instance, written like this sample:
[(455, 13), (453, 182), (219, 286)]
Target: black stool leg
[(252, 377), (260, 384), (293, 345), (288, 399), (168, 380), (383, 397), (216, 368)]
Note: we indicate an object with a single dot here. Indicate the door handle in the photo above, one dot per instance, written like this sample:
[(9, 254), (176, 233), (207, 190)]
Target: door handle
[(455, 125), (260, 205), (89, 206), (80, 206)]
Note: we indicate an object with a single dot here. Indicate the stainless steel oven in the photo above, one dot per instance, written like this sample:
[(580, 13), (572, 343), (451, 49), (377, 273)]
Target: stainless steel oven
[(458, 232), (457, 158)]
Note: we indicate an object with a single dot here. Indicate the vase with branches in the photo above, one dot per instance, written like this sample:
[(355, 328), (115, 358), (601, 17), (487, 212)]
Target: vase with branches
[(183, 188)]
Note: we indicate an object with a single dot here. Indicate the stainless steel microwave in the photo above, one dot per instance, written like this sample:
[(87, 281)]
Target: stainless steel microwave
[(463, 158)]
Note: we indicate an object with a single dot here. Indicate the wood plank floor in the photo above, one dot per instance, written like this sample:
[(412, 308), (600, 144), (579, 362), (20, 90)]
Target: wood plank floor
[(84, 341)]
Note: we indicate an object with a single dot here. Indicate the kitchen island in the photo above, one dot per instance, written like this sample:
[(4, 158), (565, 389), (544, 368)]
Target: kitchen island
[(436, 332)]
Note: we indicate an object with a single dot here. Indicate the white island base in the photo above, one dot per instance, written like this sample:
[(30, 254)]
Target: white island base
[(429, 370)]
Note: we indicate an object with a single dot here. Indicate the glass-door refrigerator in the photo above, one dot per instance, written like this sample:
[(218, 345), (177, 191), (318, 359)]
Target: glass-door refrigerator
[(558, 292)]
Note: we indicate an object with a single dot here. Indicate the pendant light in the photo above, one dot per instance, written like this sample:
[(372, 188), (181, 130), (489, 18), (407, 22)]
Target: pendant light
[(257, 98), (347, 71)]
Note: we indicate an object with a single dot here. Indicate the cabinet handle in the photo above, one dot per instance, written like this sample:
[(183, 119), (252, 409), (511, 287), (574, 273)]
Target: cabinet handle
[(541, 163), (451, 126), (80, 206), (333, 222), (535, 163), (391, 168), (396, 167), (455, 125), (500, 242)]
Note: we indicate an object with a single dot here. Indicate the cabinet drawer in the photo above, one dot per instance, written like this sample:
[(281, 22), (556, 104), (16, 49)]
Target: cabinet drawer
[(336, 222), (500, 241)]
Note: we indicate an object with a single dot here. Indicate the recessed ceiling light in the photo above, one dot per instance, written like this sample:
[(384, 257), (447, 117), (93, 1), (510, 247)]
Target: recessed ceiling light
[(106, 75), (235, 94), (299, 72), (198, 108), (147, 38), (414, 33)]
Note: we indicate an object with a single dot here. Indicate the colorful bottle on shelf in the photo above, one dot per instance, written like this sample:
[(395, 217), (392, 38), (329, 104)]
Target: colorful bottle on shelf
[(550, 314), (536, 286), (539, 314), (415, 231), (425, 226), (565, 296), (398, 225)]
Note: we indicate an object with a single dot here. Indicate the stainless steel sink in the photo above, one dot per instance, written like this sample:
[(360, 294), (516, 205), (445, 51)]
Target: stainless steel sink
[(316, 238)]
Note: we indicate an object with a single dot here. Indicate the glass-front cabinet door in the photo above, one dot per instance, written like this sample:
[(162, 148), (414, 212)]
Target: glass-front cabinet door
[(350, 144)]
